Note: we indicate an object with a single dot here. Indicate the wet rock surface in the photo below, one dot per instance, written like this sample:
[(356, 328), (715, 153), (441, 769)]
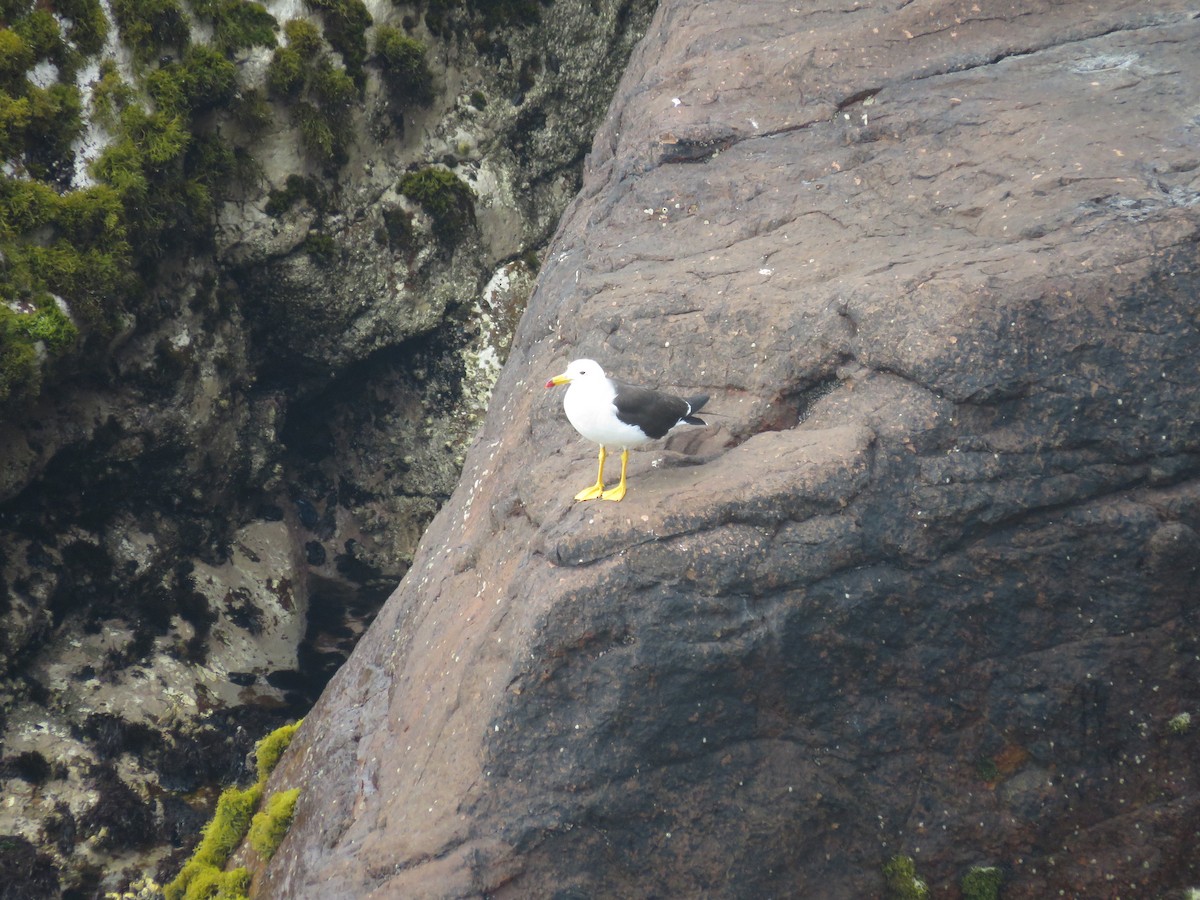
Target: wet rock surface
[(924, 588)]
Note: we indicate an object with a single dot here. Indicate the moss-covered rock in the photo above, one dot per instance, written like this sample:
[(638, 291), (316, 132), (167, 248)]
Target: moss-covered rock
[(204, 876), (346, 23), (900, 876), (271, 748), (270, 825), (447, 199), (89, 25), (982, 883), (405, 69), (149, 27), (237, 24)]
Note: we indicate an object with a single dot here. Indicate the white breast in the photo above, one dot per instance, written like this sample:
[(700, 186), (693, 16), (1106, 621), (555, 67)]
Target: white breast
[(589, 407)]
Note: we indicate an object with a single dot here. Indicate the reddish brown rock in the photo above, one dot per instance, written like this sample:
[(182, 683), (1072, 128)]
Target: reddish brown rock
[(928, 584)]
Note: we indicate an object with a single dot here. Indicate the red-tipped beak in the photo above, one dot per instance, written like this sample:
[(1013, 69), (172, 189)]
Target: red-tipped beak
[(550, 383)]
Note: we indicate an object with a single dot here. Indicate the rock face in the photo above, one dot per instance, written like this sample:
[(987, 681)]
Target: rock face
[(926, 586)]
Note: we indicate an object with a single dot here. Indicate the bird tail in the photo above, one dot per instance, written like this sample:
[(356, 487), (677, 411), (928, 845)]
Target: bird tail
[(694, 405)]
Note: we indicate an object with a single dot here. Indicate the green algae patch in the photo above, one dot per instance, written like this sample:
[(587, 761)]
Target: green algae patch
[(268, 827), (203, 877), (271, 748)]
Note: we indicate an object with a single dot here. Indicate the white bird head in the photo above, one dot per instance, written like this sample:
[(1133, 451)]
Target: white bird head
[(579, 370)]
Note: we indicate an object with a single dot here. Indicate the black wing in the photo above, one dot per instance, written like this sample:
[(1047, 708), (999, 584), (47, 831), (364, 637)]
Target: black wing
[(653, 412)]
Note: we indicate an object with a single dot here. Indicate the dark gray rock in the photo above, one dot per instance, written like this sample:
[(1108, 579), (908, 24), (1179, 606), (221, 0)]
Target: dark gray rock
[(195, 531), (929, 589)]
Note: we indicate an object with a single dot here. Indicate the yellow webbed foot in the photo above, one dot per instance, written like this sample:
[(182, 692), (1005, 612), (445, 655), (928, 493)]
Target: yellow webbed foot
[(594, 492), (614, 493), (619, 491)]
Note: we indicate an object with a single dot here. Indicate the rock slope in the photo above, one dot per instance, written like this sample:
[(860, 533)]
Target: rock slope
[(200, 515), (925, 588)]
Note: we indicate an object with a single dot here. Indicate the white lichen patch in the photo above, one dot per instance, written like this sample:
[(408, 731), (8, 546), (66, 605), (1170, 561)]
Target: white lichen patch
[(44, 74), (496, 312), (95, 138), (283, 10)]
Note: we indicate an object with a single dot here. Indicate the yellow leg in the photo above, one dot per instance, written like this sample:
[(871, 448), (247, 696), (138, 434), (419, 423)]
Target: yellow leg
[(597, 489), (619, 491)]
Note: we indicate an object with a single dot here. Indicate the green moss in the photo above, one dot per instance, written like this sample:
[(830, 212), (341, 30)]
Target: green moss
[(405, 70), (1180, 723), (14, 123), (269, 826), (249, 109), (346, 23), (49, 325), (16, 57), (447, 199), (83, 254), (478, 100), (210, 79), (982, 883), (89, 25), (159, 178), (156, 138), (214, 884), (320, 247), (203, 79), (285, 72), (203, 876), (334, 89), (900, 876), (110, 95), (221, 837), (271, 748), (40, 33), (55, 121), (20, 373), (322, 93), (316, 135), (296, 188), (148, 27), (237, 24), (303, 36)]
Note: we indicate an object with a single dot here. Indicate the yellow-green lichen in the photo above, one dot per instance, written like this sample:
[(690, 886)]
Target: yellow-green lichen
[(269, 826)]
